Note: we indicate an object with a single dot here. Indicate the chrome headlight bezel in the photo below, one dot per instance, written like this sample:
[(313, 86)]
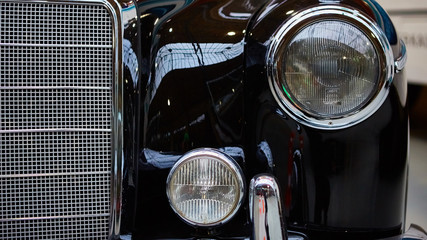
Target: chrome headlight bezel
[(223, 158), (298, 22)]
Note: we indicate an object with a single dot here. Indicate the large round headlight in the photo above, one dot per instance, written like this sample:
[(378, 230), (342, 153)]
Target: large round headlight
[(205, 187), (330, 68)]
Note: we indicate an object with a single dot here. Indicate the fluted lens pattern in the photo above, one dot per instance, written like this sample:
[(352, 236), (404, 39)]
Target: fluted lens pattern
[(204, 190), (330, 69)]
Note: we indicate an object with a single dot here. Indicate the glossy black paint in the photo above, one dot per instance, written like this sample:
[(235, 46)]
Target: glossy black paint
[(191, 64), (132, 76), (343, 181), (201, 82)]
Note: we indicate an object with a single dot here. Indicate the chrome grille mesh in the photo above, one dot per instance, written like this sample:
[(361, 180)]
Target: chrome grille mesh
[(56, 76), (55, 24), (48, 108)]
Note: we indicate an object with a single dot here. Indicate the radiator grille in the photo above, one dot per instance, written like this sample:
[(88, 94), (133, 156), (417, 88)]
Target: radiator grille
[(56, 74)]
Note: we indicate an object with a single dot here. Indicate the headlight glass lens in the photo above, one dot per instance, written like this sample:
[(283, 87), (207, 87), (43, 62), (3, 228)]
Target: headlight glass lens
[(205, 189), (329, 69)]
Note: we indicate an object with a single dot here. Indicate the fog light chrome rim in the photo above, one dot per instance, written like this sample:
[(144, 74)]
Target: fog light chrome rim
[(205, 187)]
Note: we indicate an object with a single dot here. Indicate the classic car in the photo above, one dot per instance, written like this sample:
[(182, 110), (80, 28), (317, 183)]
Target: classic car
[(202, 119)]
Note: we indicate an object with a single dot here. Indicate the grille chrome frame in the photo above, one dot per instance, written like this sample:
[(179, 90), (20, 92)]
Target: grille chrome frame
[(114, 9)]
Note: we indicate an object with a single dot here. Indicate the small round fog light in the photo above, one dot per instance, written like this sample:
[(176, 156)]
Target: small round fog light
[(205, 187)]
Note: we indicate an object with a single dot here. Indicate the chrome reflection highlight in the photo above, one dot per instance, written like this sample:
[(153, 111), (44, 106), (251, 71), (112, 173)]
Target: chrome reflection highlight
[(415, 232), (330, 67), (205, 187), (402, 59), (265, 208)]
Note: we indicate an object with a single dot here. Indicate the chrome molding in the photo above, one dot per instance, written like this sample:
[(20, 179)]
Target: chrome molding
[(415, 232), (339, 13), (124, 14), (266, 210), (400, 62), (229, 161), (296, 236)]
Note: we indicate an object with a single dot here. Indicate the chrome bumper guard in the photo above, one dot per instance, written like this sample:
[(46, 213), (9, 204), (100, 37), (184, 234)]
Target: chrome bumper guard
[(266, 213), (265, 209)]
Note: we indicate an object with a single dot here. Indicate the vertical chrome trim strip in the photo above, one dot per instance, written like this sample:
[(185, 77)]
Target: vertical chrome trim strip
[(265, 208), (123, 13), (117, 144)]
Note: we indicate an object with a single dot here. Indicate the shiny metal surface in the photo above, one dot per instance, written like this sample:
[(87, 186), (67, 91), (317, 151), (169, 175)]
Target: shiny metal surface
[(296, 236), (265, 209), (339, 13), (400, 62), (415, 232), (57, 98), (227, 160), (121, 14)]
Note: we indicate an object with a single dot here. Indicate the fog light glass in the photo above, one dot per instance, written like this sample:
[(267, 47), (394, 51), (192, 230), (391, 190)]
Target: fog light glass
[(205, 187)]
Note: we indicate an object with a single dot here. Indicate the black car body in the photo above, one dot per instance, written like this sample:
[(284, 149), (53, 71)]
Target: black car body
[(101, 99)]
